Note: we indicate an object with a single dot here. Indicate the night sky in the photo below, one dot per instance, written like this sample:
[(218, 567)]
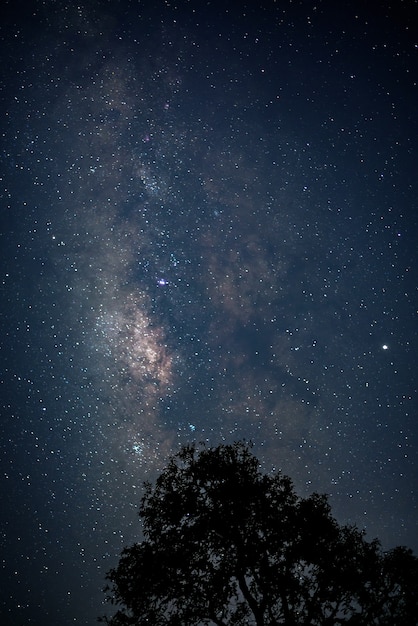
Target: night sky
[(208, 232)]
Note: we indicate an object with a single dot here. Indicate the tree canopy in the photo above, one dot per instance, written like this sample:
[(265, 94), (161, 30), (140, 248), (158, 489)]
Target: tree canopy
[(226, 544)]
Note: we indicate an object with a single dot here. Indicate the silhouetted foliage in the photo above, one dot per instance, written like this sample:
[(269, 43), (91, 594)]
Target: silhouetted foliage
[(225, 544)]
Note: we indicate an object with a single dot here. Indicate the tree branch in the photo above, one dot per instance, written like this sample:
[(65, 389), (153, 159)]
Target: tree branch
[(252, 603)]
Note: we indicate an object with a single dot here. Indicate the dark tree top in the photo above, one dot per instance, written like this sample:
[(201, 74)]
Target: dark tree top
[(226, 544)]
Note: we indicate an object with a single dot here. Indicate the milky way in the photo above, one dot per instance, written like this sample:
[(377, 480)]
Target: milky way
[(208, 234)]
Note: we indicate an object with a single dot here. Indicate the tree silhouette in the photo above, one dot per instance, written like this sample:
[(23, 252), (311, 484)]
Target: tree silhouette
[(225, 544)]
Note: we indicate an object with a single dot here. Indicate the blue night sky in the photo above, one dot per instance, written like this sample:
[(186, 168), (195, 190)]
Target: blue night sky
[(208, 232)]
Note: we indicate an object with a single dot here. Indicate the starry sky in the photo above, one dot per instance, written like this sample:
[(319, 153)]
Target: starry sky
[(208, 232)]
